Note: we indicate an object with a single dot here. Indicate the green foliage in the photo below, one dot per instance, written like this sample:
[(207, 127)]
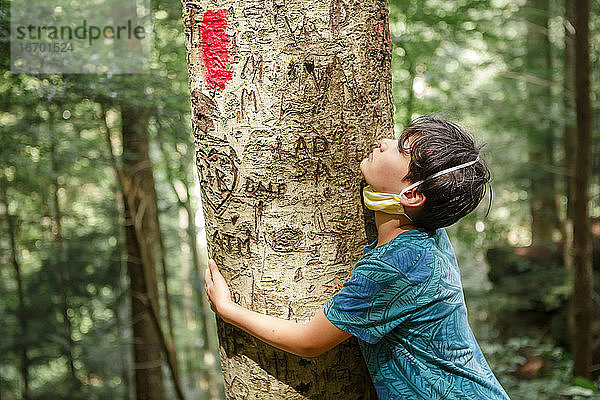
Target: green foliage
[(554, 381), (506, 357), (64, 113)]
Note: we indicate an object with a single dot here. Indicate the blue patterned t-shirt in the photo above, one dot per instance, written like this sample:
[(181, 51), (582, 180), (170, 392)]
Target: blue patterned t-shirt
[(405, 303)]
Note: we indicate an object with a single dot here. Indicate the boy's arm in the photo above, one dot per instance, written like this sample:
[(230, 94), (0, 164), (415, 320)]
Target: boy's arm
[(305, 340)]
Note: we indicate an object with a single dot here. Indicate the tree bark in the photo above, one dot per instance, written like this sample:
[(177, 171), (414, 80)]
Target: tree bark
[(141, 237), (570, 147), (287, 98), (136, 183), (544, 210), (167, 296), (582, 235), (570, 128), (121, 307), (21, 311)]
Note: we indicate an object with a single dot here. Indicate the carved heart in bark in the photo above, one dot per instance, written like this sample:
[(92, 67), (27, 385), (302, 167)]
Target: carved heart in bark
[(218, 176)]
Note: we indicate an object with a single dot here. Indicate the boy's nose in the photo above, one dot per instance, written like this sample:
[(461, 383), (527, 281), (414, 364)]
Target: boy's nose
[(383, 143)]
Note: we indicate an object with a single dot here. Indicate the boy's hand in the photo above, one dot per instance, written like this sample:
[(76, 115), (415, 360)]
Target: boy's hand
[(305, 340), (216, 288)]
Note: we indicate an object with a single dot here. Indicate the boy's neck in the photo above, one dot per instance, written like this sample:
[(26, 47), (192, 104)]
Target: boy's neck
[(389, 226)]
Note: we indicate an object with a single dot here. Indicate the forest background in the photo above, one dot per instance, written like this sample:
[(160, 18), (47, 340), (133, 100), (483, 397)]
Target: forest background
[(500, 68)]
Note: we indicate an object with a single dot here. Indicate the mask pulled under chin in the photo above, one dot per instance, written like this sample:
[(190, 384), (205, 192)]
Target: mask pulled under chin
[(389, 203)]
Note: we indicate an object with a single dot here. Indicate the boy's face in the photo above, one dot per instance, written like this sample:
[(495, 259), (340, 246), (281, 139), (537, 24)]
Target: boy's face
[(386, 166)]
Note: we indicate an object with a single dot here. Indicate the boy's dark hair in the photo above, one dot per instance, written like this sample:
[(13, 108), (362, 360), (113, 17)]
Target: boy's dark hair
[(436, 145)]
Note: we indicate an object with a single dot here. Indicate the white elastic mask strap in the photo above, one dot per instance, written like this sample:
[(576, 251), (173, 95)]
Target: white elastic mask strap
[(442, 172)]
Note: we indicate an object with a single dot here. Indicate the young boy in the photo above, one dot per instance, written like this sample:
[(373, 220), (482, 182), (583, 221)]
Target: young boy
[(404, 299)]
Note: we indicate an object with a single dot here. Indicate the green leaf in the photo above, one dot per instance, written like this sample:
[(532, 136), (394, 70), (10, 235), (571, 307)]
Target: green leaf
[(582, 382)]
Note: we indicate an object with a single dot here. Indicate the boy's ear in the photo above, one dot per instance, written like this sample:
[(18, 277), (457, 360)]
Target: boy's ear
[(413, 198)]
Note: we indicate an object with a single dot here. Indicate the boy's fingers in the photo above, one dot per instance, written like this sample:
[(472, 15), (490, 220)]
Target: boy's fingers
[(215, 274), (212, 265), (207, 276)]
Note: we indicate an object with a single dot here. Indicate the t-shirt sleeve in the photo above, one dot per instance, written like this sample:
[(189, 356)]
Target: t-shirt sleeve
[(376, 299)]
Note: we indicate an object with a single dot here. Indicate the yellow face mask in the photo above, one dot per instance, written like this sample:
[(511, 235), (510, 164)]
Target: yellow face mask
[(386, 202), (390, 203)]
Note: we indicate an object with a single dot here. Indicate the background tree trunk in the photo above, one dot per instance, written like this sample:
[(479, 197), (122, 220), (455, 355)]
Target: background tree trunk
[(12, 224), (287, 98), (60, 259), (139, 195), (121, 252), (544, 210), (166, 295), (583, 260), (570, 147), (191, 284)]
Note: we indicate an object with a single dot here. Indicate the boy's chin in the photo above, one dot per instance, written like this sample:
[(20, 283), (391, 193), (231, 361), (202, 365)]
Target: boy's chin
[(362, 166)]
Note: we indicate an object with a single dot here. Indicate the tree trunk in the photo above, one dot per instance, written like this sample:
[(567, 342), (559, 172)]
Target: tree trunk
[(167, 296), (582, 235), (136, 183), (287, 98), (121, 309), (570, 147), (189, 236), (141, 236), (122, 306), (59, 260), (544, 210), (570, 129), (21, 311)]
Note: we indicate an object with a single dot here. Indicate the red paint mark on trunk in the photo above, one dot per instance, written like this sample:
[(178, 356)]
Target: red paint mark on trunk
[(215, 48)]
